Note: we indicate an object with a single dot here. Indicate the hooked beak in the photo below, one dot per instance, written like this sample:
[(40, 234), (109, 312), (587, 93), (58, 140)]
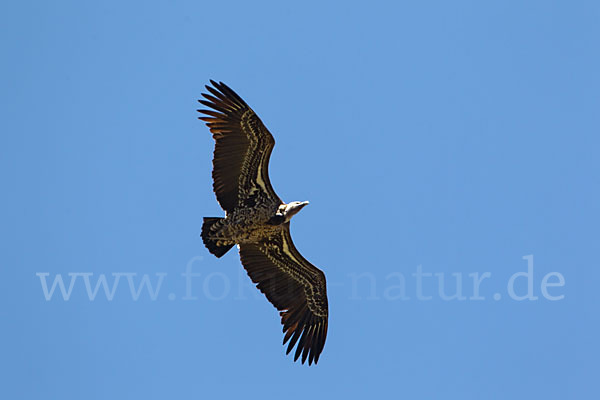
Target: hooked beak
[(302, 205)]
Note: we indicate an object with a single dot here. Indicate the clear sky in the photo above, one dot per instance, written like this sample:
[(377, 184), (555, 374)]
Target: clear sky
[(437, 141)]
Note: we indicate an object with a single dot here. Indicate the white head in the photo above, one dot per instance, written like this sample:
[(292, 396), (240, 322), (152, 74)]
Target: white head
[(291, 209)]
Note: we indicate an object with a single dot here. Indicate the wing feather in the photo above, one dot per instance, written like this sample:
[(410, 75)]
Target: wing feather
[(295, 287), (243, 147)]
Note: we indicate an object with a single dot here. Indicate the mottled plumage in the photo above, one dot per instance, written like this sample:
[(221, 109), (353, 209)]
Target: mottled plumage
[(259, 222)]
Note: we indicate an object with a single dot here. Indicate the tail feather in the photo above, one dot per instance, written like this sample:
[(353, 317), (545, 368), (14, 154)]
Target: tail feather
[(211, 244)]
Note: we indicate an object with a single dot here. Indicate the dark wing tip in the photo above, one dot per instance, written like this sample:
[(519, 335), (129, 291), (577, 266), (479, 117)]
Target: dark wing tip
[(224, 94), (307, 335)]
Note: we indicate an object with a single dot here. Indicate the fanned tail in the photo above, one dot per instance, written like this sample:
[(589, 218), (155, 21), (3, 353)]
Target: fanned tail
[(211, 244)]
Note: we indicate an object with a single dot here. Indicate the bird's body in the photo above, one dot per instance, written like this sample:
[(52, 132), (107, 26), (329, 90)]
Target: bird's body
[(258, 222), (245, 225)]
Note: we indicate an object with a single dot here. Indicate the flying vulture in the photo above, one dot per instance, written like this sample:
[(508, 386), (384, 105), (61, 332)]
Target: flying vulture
[(258, 222)]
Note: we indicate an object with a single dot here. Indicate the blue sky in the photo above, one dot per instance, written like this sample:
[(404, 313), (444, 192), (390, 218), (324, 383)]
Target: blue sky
[(451, 138)]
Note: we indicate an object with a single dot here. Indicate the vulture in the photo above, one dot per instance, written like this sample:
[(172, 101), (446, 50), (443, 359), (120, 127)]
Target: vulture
[(258, 222)]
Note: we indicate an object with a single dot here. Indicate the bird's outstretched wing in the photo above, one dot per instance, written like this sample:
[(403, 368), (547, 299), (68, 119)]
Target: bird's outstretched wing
[(295, 287), (242, 149)]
